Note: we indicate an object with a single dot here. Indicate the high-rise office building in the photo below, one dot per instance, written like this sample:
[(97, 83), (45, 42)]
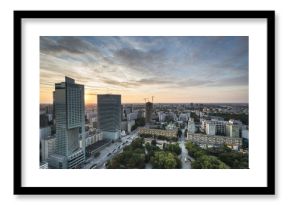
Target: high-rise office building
[(70, 122), (109, 115), (148, 112)]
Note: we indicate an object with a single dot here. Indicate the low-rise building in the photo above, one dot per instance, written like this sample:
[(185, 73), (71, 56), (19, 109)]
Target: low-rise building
[(203, 139), (159, 132), (92, 137)]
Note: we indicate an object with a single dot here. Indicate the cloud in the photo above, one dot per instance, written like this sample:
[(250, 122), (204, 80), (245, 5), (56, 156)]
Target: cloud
[(70, 44), (142, 62)]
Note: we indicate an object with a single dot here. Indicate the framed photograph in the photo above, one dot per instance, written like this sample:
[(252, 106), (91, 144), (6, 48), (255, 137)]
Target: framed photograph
[(144, 102)]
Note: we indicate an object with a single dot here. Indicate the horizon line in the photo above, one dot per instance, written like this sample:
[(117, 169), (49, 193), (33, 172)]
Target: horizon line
[(167, 103)]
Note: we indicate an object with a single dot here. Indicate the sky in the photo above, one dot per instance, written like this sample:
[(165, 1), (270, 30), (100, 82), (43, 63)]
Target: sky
[(173, 69)]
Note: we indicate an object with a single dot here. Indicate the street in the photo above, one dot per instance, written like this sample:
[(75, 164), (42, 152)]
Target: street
[(109, 152), (184, 157)]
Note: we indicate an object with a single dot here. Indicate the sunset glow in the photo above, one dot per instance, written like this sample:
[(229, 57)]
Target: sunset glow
[(172, 69)]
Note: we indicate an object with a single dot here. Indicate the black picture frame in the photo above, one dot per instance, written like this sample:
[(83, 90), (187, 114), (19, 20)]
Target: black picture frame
[(268, 190)]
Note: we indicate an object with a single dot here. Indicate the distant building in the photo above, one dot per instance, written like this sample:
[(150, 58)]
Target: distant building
[(157, 132), (220, 127), (93, 137), (184, 117), (161, 116), (91, 116), (171, 126), (148, 112), (217, 118), (109, 115), (172, 116), (47, 147), (43, 120), (130, 125), (214, 127), (50, 117), (210, 128), (44, 132), (132, 116), (245, 134), (124, 125), (235, 122), (203, 139), (191, 126), (95, 124), (141, 114), (49, 109), (232, 130), (70, 121)]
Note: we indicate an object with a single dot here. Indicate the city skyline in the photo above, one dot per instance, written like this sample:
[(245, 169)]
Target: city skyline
[(173, 69)]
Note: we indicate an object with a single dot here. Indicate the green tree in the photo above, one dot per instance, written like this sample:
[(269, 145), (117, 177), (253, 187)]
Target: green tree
[(173, 148), (132, 157), (138, 123), (137, 143), (153, 142), (208, 162), (194, 150), (164, 160)]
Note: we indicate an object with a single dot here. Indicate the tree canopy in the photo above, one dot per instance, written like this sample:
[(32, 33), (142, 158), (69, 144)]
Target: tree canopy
[(165, 160)]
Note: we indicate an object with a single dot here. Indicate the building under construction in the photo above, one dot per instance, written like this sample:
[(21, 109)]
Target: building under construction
[(148, 111)]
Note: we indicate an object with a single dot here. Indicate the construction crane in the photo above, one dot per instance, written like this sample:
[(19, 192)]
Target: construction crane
[(145, 99), (152, 98)]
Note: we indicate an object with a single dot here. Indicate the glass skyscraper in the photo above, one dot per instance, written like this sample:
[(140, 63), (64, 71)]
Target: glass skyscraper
[(109, 115), (70, 121)]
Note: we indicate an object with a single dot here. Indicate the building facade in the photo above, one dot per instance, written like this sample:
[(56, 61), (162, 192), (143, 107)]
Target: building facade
[(210, 128), (148, 112), (47, 147), (109, 115), (130, 125), (202, 139), (233, 130), (158, 132), (70, 124), (191, 126)]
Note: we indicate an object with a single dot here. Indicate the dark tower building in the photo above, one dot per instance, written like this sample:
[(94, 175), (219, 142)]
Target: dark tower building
[(148, 112), (109, 115)]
